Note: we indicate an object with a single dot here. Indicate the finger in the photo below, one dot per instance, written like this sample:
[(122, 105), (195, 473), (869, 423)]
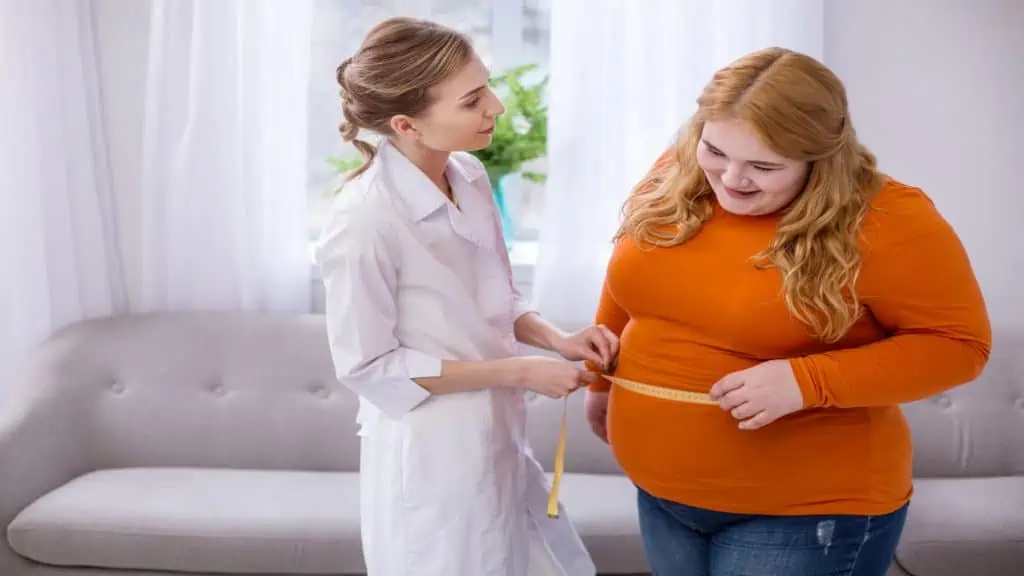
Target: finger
[(733, 399), (727, 384), (586, 378), (759, 420), (610, 336), (600, 342), (745, 410), (588, 352)]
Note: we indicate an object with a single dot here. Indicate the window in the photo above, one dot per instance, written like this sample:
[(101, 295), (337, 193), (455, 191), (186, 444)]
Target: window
[(506, 33)]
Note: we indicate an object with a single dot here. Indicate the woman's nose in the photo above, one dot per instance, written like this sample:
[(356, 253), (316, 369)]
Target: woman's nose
[(498, 109), (735, 177)]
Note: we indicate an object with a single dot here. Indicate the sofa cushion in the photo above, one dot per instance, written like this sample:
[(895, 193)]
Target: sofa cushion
[(197, 520), (959, 526)]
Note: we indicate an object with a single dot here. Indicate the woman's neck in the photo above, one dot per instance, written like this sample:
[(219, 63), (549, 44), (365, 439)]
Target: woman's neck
[(431, 162)]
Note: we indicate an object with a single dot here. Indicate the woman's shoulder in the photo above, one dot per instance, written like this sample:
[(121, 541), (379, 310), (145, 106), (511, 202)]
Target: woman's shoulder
[(899, 213), (358, 217), (899, 197)]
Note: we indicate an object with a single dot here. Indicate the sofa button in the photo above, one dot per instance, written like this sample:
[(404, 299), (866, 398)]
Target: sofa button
[(1019, 403), (944, 401), (218, 389), (116, 387), (322, 391)]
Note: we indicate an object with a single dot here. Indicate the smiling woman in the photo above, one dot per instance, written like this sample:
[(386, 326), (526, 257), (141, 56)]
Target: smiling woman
[(766, 263)]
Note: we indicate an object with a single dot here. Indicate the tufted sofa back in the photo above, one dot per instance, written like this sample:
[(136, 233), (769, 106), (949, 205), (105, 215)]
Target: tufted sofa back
[(205, 389), (976, 429)]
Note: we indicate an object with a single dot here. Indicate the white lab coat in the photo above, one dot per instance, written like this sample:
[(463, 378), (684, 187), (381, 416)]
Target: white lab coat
[(449, 485)]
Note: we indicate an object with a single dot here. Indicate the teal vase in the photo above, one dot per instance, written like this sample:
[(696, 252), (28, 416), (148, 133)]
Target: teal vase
[(508, 230)]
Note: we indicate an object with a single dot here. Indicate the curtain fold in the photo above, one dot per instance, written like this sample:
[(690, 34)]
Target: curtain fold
[(60, 259), (223, 186)]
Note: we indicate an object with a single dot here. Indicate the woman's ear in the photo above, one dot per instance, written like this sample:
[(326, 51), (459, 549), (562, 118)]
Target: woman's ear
[(403, 125)]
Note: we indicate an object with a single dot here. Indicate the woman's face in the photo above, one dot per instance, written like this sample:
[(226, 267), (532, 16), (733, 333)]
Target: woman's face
[(748, 178), (463, 113)]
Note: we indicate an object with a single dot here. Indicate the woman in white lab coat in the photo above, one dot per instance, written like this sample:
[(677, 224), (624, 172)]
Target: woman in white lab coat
[(423, 322)]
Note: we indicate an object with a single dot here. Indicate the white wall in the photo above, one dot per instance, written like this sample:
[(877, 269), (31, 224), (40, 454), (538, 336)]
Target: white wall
[(935, 88)]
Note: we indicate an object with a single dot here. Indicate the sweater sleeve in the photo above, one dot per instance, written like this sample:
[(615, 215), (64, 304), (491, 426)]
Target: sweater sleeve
[(609, 312), (917, 283)]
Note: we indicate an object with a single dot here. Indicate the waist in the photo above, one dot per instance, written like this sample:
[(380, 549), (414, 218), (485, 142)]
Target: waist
[(686, 366), (661, 392), (814, 461)]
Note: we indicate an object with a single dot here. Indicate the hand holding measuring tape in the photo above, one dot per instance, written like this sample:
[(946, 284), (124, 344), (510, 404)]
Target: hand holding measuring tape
[(599, 345), (596, 343), (760, 395)]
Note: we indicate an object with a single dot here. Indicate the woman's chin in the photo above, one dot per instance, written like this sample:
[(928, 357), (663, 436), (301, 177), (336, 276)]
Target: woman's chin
[(480, 142)]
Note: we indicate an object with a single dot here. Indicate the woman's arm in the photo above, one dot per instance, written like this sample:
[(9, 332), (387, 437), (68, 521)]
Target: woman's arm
[(533, 330), (360, 281), (918, 283)]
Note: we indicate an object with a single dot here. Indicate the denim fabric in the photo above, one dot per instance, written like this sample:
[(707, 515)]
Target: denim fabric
[(681, 540)]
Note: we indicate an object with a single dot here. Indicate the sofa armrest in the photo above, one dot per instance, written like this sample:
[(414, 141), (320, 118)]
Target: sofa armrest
[(42, 447)]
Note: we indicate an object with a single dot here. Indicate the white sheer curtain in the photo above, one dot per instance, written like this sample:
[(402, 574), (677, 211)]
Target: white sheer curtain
[(218, 219), (624, 78), (224, 156), (59, 258)]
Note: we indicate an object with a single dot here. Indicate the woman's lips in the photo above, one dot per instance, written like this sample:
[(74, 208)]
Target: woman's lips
[(742, 194)]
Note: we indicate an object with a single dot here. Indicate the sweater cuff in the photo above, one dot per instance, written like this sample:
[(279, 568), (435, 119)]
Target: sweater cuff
[(804, 371)]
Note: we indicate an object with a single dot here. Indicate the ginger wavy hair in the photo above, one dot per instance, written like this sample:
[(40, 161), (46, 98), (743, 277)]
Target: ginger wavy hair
[(799, 109)]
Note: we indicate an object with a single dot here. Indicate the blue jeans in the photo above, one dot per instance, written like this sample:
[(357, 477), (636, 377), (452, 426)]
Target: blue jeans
[(680, 540)]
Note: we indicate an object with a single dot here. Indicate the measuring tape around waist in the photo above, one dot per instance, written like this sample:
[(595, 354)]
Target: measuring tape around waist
[(638, 387)]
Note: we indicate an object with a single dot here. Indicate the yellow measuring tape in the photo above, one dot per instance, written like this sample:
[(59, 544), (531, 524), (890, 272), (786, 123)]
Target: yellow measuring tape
[(639, 388)]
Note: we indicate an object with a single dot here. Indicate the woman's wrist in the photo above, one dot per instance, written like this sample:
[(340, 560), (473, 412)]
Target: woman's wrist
[(533, 330), (511, 372)]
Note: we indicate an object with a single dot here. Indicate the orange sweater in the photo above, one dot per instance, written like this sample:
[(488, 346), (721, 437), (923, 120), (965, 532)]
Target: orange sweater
[(690, 314)]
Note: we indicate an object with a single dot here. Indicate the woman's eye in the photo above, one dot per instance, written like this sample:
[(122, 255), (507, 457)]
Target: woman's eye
[(715, 152), (765, 168), (472, 103)]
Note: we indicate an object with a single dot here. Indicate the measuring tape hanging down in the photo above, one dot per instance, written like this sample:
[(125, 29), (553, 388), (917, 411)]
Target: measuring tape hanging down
[(645, 389)]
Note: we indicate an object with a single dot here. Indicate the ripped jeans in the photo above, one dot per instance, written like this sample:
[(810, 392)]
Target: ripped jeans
[(680, 540)]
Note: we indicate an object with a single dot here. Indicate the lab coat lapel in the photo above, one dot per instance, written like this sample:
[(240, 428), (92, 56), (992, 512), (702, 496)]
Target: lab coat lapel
[(419, 198)]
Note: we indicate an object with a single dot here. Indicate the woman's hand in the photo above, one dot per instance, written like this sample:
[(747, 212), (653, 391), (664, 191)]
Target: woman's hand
[(595, 405), (760, 395), (549, 376), (594, 343)]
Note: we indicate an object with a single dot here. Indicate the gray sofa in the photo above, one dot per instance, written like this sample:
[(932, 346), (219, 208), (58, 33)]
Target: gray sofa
[(220, 443)]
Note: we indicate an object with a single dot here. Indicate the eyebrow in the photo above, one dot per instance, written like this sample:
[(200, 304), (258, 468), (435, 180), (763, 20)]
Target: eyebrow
[(473, 92), (758, 162)]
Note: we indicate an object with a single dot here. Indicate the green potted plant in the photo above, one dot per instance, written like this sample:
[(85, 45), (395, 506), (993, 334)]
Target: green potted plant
[(520, 135)]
